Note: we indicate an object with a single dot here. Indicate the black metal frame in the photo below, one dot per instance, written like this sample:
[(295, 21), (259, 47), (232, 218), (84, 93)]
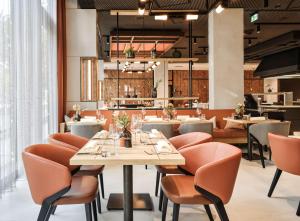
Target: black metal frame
[(217, 203), (48, 207), (273, 185), (260, 148), (176, 208)]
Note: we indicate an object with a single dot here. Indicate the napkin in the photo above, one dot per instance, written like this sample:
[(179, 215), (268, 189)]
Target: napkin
[(103, 134), (162, 146), (182, 117), (91, 147)]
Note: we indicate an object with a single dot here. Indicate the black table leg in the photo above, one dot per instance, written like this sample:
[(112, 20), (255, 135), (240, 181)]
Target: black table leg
[(128, 197), (249, 143)]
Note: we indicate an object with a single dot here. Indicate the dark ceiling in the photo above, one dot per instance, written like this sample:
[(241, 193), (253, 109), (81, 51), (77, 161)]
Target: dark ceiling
[(280, 16)]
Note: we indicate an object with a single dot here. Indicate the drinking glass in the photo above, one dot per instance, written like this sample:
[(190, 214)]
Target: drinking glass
[(198, 111), (266, 116), (175, 113), (143, 112), (114, 134), (133, 127), (98, 114)]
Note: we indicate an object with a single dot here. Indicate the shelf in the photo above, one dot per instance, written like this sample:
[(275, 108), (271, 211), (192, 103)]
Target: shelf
[(170, 60), (152, 99)]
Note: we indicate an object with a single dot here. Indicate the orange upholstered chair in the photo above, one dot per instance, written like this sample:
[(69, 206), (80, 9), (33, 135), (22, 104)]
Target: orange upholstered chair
[(286, 155), (51, 183), (215, 166), (75, 142), (179, 142)]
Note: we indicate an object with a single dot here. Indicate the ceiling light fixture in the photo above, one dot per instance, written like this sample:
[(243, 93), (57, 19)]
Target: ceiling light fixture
[(190, 17), (157, 63), (161, 17), (258, 29), (150, 62), (139, 72), (129, 72), (219, 9)]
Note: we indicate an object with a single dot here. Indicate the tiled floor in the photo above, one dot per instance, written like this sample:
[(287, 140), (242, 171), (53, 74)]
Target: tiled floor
[(249, 201)]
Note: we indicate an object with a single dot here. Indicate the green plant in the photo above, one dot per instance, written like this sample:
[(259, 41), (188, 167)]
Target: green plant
[(240, 109), (122, 120), (169, 109)]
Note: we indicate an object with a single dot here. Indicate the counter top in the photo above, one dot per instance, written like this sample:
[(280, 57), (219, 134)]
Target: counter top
[(280, 106)]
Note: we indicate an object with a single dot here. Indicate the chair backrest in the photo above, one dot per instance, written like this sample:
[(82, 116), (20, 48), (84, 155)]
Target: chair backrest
[(47, 170), (68, 140), (85, 130), (215, 166), (190, 139), (260, 131), (286, 153), (166, 129), (206, 127)]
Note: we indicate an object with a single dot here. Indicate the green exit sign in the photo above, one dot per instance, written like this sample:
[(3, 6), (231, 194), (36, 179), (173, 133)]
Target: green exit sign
[(254, 17)]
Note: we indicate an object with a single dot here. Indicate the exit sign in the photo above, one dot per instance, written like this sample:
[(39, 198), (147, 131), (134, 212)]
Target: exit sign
[(254, 17)]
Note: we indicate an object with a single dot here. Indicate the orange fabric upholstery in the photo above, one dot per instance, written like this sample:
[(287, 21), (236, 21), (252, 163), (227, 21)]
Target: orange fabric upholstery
[(217, 167), (190, 139), (83, 190), (46, 170), (286, 153), (180, 189), (67, 140)]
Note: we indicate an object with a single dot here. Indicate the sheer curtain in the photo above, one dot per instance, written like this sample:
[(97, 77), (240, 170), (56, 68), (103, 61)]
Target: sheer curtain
[(28, 80)]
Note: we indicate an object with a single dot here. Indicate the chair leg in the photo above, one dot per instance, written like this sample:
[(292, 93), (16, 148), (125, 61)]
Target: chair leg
[(221, 211), (274, 182), (44, 212), (270, 154), (176, 208), (298, 211), (88, 212), (98, 202), (157, 182), (161, 194), (164, 208), (53, 209), (208, 211), (102, 185), (146, 167), (94, 211), (260, 148)]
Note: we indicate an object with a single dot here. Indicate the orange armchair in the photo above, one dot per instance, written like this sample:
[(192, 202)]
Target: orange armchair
[(179, 142), (286, 155), (52, 184), (213, 182), (75, 143)]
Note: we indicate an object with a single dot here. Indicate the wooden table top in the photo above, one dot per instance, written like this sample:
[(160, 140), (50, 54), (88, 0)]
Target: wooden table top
[(241, 121), (294, 136), (139, 154)]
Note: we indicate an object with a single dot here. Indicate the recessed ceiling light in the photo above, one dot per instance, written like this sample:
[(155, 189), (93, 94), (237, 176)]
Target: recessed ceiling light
[(139, 72), (161, 17), (158, 63), (191, 17)]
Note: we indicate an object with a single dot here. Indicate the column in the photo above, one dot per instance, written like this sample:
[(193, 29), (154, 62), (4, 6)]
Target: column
[(161, 73), (226, 58)]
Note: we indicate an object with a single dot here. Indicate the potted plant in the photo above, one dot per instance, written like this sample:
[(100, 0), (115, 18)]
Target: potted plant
[(76, 108), (123, 122), (129, 53), (169, 111), (154, 90), (239, 111)]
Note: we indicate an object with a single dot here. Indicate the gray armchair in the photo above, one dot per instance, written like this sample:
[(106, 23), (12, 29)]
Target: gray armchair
[(166, 129), (259, 134), (85, 130), (206, 127)]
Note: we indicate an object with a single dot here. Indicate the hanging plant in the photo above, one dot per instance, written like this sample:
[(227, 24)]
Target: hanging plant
[(129, 53)]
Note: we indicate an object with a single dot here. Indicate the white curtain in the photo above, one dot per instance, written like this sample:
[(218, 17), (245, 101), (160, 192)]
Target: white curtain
[(28, 80)]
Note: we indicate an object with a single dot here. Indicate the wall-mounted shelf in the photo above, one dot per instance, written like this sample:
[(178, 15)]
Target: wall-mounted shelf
[(170, 60), (152, 99)]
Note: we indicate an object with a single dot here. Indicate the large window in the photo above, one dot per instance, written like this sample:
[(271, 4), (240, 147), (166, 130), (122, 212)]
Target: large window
[(28, 87)]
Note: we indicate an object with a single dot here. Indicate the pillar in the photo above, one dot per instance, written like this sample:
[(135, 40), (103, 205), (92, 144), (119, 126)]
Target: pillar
[(226, 58)]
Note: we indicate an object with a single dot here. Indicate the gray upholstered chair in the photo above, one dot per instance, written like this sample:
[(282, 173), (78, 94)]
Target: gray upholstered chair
[(166, 129), (87, 130), (259, 135), (205, 127)]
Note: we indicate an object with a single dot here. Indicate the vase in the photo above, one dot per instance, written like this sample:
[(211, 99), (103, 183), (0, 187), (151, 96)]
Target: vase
[(125, 138), (77, 116), (154, 93)]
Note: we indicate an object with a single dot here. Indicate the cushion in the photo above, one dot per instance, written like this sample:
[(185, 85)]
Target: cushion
[(214, 121), (233, 125)]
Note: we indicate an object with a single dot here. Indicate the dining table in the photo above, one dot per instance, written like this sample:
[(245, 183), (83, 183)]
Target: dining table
[(173, 121), (247, 123), (147, 149)]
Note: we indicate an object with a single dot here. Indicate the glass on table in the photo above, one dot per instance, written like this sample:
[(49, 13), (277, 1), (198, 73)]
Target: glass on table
[(198, 112), (114, 134)]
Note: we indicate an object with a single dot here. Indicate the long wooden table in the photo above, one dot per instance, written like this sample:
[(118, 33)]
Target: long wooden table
[(143, 152), (247, 124)]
